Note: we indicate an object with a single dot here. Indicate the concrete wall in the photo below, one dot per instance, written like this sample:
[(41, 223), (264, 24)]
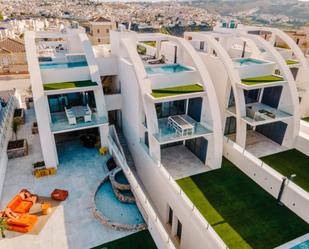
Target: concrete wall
[(107, 66), (172, 80), (270, 180), (65, 75), (113, 102), (302, 143)]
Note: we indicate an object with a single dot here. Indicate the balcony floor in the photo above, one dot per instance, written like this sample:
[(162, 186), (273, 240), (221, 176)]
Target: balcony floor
[(180, 162), (60, 122), (259, 145), (167, 134)]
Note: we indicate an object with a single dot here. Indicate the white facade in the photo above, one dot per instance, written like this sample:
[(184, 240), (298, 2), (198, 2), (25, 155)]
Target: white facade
[(161, 123), (244, 57)]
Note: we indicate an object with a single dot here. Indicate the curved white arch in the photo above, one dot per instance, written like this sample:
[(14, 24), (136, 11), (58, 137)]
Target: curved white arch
[(210, 92), (234, 80), (201, 70), (286, 73), (303, 78)]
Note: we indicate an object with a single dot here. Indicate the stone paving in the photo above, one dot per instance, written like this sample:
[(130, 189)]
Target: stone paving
[(72, 225)]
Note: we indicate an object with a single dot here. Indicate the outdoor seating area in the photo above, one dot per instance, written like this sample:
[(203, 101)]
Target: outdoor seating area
[(259, 112), (240, 211), (78, 113), (181, 126), (175, 127)]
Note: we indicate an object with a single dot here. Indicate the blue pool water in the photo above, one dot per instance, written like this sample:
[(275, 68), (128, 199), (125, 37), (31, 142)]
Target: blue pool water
[(247, 62), (303, 245), (166, 69), (63, 65), (120, 177), (123, 213)]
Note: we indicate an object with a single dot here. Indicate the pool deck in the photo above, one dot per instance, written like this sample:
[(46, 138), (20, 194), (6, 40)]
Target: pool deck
[(72, 224)]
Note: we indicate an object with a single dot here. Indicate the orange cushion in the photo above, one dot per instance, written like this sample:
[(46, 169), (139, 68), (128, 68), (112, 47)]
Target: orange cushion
[(24, 220), (14, 202), (20, 229), (23, 207)]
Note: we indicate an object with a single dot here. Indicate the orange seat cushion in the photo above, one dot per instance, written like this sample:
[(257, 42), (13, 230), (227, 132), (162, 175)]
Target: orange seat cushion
[(13, 204), (19, 206), (23, 207), (20, 229), (25, 220)]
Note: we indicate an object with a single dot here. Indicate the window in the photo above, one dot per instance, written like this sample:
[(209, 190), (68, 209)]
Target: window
[(99, 40), (167, 109), (179, 230), (107, 31), (98, 31), (170, 216), (252, 96), (202, 45)]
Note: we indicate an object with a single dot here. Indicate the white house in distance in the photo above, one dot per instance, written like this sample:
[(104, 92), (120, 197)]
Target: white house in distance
[(255, 87)]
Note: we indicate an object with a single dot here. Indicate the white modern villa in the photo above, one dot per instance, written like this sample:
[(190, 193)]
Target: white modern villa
[(256, 88), (185, 121)]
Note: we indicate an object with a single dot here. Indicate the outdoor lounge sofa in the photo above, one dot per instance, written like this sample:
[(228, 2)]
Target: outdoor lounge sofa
[(19, 220)]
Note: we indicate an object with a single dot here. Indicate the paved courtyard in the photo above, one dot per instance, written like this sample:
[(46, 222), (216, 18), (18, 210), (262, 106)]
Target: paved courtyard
[(72, 224), (180, 162)]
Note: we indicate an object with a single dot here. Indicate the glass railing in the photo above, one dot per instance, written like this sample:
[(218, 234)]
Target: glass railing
[(258, 112), (183, 126), (60, 122)]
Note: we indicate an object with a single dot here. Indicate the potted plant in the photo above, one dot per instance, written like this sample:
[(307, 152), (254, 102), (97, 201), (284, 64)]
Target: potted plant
[(3, 226), (17, 147), (19, 113)]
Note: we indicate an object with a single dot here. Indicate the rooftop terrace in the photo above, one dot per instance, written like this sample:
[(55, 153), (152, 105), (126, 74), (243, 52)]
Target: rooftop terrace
[(241, 212), (261, 80), (172, 91), (68, 85), (291, 162)]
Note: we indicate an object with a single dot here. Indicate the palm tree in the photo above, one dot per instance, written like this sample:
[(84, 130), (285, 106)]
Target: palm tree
[(3, 226), (15, 126)]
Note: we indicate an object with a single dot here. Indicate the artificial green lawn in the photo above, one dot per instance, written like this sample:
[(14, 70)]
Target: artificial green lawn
[(291, 62), (241, 212), (291, 162), (139, 240), (171, 91), (306, 119), (261, 80), (66, 85)]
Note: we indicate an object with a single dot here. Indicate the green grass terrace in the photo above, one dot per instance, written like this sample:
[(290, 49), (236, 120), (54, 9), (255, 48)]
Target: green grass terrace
[(68, 85), (261, 80), (139, 240), (306, 119), (240, 211), (172, 91), (291, 162), (291, 62)]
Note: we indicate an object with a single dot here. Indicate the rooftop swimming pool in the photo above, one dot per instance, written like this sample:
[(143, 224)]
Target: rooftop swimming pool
[(247, 62), (116, 211), (167, 69), (63, 65)]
